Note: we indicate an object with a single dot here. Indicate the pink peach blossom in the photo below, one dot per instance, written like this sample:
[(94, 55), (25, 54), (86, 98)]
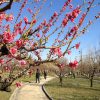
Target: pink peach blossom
[(69, 52), (26, 20), (38, 34), (30, 10), (19, 43), (1, 61), (22, 62), (77, 45), (18, 84), (7, 37), (9, 17), (13, 50)]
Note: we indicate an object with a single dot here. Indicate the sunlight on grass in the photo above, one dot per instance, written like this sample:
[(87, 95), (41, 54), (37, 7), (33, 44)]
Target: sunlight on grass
[(73, 89)]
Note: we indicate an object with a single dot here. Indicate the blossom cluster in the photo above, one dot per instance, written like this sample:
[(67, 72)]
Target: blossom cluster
[(56, 51), (73, 64), (71, 16)]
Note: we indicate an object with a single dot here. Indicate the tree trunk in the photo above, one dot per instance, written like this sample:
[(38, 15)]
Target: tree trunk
[(5, 86), (61, 81), (91, 77), (91, 82), (73, 74)]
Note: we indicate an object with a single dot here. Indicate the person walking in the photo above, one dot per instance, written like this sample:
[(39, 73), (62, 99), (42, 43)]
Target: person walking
[(37, 75), (45, 74)]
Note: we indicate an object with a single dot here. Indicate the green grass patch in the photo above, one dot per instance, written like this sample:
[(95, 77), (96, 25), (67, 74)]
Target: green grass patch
[(26, 78), (73, 89)]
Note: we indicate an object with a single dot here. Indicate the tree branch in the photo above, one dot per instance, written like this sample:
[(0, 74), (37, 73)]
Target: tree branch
[(8, 6)]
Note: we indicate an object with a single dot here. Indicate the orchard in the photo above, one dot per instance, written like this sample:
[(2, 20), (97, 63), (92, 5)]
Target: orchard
[(28, 32)]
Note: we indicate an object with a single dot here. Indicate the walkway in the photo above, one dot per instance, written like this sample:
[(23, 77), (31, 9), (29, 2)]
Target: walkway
[(30, 91)]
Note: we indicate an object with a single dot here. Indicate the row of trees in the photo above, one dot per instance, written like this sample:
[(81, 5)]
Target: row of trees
[(90, 65), (21, 36)]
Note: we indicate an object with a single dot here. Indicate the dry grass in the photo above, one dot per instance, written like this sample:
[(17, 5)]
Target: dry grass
[(73, 89)]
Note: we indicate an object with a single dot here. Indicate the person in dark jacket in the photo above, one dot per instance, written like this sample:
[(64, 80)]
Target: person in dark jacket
[(38, 76), (45, 74)]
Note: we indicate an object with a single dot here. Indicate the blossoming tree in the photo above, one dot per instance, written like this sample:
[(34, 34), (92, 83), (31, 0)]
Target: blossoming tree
[(21, 35)]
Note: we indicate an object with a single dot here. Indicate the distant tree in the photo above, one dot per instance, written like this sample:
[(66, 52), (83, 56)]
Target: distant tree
[(90, 65), (65, 68)]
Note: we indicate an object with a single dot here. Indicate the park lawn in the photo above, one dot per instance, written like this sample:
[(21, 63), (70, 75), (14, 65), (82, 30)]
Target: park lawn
[(73, 89), (26, 78), (6, 95)]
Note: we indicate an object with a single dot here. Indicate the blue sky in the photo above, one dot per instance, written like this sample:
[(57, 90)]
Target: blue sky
[(91, 37)]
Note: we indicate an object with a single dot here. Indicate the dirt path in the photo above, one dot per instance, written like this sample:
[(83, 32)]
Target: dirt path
[(30, 91)]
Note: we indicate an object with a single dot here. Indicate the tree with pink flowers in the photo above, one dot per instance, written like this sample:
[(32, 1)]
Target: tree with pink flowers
[(22, 36)]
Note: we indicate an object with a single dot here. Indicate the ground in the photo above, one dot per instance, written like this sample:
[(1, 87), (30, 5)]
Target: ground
[(73, 89), (30, 91)]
